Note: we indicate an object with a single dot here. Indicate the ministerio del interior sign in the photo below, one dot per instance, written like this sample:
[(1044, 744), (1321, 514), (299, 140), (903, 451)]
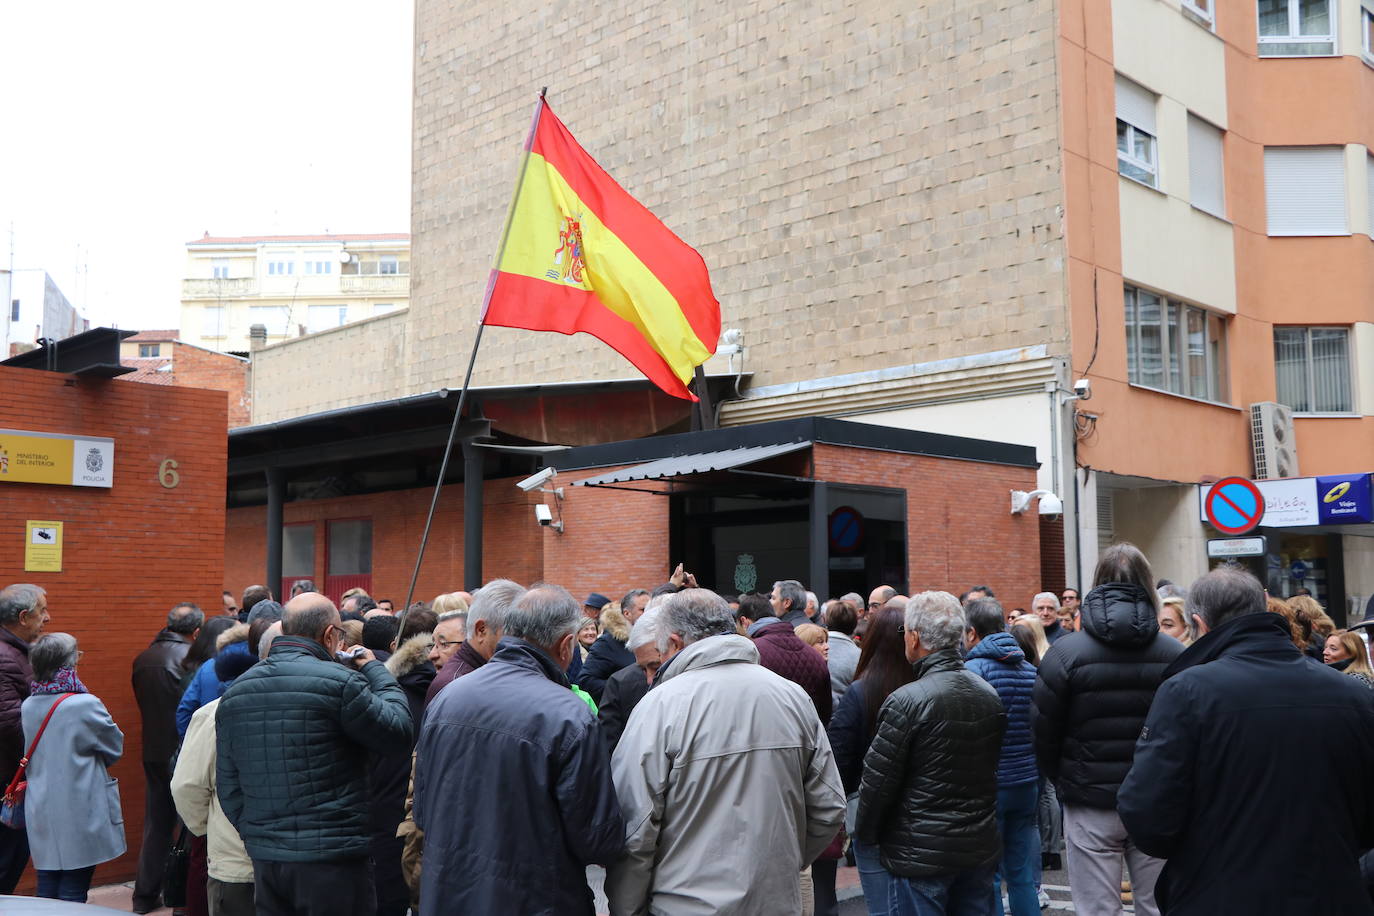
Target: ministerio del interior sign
[(73, 461)]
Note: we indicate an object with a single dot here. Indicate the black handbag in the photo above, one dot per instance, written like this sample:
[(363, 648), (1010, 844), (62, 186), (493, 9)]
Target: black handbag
[(174, 873)]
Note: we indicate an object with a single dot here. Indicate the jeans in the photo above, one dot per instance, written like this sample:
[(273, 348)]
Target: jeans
[(1096, 844), (65, 885), (962, 893), (1017, 817), (14, 857), (875, 880)]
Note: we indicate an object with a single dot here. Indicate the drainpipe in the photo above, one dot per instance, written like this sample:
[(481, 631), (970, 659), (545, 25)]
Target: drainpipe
[(276, 497)]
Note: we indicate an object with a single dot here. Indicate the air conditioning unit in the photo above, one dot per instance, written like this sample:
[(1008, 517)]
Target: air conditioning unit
[(1271, 436)]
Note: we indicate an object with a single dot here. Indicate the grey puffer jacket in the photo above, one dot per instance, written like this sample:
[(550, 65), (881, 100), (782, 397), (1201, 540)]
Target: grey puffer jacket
[(928, 798), (1094, 690)]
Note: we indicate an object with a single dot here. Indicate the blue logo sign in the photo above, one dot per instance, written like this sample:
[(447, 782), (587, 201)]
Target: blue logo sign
[(1345, 500), (1299, 570)]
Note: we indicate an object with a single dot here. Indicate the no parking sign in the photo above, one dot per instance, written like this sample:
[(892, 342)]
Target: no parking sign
[(1234, 505)]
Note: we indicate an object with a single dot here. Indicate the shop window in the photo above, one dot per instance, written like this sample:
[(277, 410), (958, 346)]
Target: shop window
[(1175, 347), (1297, 28), (1312, 369)]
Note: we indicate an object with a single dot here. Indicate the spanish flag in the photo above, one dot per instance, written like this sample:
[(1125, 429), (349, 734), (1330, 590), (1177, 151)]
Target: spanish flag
[(580, 254)]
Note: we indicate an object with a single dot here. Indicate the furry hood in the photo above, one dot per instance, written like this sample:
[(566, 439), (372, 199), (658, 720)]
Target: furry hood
[(410, 655), (237, 633), (614, 622)]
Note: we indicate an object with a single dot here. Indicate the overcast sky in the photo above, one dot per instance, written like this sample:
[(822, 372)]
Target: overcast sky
[(131, 129)]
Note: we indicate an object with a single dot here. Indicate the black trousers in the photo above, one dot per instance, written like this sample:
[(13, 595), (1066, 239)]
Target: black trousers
[(159, 819), (314, 888), (14, 856)]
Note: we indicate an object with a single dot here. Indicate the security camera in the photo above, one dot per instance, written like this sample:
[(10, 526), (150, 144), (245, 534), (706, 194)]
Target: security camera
[(1051, 505), (543, 514), (1083, 388), (535, 481)]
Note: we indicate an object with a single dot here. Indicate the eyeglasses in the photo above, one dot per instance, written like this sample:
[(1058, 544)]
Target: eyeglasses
[(445, 643)]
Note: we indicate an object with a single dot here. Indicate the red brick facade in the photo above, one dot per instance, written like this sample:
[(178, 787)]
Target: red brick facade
[(188, 366), (130, 552)]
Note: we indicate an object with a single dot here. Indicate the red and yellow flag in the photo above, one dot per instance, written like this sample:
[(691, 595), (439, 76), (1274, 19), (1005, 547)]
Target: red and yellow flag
[(583, 255)]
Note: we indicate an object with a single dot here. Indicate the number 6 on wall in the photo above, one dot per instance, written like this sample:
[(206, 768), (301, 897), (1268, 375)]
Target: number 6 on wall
[(167, 474)]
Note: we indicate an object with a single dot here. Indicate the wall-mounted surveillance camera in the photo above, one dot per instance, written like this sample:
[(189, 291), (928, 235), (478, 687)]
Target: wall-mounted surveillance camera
[(535, 481), (1083, 388), (544, 515)]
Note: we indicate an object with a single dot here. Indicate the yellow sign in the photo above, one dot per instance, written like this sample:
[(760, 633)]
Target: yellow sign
[(71, 461), (43, 547)]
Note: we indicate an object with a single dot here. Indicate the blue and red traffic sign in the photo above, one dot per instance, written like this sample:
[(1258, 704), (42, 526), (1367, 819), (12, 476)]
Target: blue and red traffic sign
[(1234, 505)]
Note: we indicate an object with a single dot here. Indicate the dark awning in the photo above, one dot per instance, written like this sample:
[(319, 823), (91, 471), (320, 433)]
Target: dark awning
[(697, 463)]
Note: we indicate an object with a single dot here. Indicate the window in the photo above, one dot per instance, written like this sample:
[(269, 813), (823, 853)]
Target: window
[(1297, 28), (1206, 170), (281, 268), (1367, 28), (298, 550), (1312, 369), (1200, 10), (324, 317), (1369, 191), (147, 350), (389, 264), (1135, 133), (1175, 347), (219, 269), (14, 310), (1304, 190), (212, 321), (382, 308), (274, 317), (350, 547), (319, 268)]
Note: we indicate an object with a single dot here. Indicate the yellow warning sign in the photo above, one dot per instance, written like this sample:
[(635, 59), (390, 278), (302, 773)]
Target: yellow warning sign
[(43, 547)]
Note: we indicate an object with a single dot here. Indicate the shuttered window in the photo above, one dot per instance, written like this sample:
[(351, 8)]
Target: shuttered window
[(1206, 171), (1369, 168), (1136, 146), (1304, 190)]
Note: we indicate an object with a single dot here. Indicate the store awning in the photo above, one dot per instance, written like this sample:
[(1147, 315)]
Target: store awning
[(700, 462)]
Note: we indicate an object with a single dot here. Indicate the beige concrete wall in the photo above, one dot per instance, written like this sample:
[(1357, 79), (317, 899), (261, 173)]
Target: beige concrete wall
[(871, 183), (1163, 523), (354, 364)]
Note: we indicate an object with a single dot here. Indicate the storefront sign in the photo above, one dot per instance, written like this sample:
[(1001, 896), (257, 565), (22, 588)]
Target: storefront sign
[(1218, 548), (72, 461), (43, 547), (1345, 500), (1287, 503)]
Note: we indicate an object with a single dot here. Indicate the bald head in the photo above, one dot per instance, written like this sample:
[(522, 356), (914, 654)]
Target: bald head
[(309, 615)]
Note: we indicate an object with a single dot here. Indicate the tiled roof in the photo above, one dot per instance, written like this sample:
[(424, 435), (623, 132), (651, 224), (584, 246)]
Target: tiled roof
[(148, 370), (208, 239), (153, 336)]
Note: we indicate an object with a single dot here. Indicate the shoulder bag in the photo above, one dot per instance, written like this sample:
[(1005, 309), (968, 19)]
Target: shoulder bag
[(12, 803)]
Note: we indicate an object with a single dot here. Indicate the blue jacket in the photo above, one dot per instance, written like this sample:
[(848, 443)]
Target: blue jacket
[(998, 660), (206, 686), (850, 735)]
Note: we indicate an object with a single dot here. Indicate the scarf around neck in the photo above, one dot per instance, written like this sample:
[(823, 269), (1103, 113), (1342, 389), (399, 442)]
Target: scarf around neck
[(64, 681)]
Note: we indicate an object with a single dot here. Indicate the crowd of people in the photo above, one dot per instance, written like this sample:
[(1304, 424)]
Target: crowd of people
[(1188, 750)]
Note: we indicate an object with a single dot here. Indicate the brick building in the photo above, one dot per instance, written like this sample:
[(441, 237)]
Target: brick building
[(131, 551), (162, 358)]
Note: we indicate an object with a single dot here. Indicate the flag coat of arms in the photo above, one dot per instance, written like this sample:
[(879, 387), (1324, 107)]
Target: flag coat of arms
[(582, 255)]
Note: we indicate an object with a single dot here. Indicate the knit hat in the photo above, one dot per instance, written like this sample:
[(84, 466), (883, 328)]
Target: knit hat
[(268, 610), (596, 600)]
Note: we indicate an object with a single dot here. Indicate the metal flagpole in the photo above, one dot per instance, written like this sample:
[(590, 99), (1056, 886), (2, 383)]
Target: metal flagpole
[(472, 359)]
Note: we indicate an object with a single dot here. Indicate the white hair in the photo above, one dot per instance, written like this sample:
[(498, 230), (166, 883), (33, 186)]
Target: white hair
[(937, 618), (492, 603), (1050, 595), (694, 614), (645, 629), (812, 600)]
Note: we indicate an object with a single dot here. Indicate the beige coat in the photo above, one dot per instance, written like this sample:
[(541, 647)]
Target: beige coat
[(720, 760), (193, 790)]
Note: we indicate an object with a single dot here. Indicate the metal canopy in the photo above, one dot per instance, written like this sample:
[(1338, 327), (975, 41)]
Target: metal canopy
[(700, 462)]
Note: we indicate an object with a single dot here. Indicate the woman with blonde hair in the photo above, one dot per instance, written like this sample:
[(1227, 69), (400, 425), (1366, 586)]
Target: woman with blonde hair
[(1314, 622), (449, 601), (1174, 619), (1037, 629), (816, 637), (1345, 651)]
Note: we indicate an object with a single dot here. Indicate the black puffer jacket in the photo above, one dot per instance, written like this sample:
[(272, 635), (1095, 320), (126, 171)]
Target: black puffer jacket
[(928, 798), (294, 736), (1094, 690)]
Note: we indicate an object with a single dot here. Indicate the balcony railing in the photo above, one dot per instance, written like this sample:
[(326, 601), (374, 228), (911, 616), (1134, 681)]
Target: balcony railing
[(219, 288), (382, 285)]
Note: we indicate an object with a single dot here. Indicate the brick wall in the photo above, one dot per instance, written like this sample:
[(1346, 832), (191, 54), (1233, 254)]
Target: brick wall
[(512, 541), (130, 552), (960, 530), (193, 367)]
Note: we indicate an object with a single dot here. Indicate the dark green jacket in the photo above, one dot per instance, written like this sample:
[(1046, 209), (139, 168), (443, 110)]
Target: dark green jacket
[(293, 736)]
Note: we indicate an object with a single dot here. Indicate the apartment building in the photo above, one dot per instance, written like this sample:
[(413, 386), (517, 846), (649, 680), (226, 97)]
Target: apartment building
[(939, 217), (293, 285), (35, 307)]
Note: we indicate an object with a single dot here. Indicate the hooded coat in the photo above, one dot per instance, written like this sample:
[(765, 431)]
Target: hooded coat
[(207, 684), (998, 659), (1213, 788), (607, 655), (725, 801), (513, 791), (1094, 690)]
